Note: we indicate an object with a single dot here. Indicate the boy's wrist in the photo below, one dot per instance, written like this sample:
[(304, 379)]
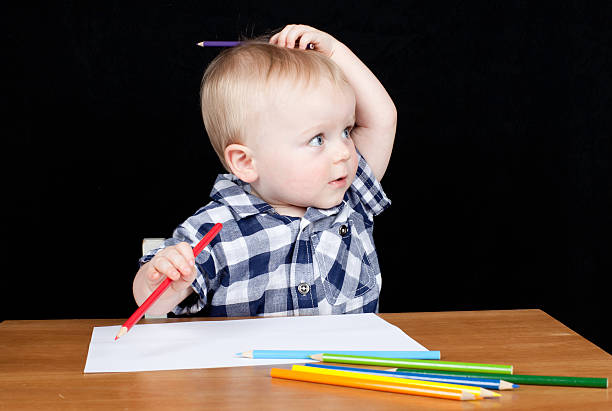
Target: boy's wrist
[(339, 50), (348, 61)]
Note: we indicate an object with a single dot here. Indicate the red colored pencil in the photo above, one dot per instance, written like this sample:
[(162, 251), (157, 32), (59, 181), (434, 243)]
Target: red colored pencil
[(134, 318)]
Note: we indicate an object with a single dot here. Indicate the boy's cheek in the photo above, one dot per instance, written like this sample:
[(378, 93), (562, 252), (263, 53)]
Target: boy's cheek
[(355, 165)]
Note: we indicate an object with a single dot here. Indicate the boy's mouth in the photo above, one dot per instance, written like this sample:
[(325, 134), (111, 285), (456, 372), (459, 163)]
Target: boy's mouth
[(339, 182)]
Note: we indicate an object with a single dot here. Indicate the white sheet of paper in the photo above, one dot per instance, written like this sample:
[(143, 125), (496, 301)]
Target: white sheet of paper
[(212, 344)]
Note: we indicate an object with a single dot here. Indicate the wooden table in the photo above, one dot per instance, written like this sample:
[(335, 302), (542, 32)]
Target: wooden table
[(41, 367)]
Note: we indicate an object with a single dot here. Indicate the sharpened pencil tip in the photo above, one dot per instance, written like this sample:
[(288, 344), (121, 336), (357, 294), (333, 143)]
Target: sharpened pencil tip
[(467, 396), (488, 393), (318, 357), (121, 332)]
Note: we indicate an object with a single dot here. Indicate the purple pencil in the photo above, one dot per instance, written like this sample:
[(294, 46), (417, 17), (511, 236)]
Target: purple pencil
[(215, 43)]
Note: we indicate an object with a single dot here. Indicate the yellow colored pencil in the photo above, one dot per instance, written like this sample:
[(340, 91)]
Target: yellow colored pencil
[(369, 384), (477, 391)]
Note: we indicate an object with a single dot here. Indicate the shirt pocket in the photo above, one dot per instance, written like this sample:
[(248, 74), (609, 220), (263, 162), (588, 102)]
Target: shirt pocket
[(346, 272)]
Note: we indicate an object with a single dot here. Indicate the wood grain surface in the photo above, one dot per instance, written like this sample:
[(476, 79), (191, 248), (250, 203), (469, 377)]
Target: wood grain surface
[(42, 362)]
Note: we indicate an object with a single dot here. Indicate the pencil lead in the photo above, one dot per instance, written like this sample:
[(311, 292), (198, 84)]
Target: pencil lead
[(488, 393), (505, 385), (121, 333)]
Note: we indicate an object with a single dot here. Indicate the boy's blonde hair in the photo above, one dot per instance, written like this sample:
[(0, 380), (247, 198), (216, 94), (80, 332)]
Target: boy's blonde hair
[(237, 82)]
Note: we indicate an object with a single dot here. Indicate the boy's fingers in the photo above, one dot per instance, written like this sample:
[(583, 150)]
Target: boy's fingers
[(154, 275), (181, 265), (291, 33), (295, 38), (282, 36), (292, 36), (192, 275), (306, 39), (187, 252), (280, 39), (164, 266)]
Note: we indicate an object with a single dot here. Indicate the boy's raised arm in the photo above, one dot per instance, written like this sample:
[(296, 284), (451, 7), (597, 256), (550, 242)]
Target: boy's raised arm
[(375, 113)]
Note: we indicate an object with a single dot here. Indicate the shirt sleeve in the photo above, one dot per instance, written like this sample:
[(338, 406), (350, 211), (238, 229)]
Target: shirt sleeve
[(368, 189), (186, 232)]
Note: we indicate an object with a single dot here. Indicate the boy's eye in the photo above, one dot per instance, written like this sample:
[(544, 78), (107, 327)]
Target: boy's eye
[(346, 133), (316, 141)]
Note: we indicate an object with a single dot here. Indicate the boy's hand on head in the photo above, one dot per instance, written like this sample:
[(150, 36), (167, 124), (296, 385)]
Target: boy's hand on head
[(175, 262), (375, 112), (299, 36)]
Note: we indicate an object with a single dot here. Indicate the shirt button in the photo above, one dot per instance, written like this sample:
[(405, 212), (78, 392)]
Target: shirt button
[(343, 230), (303, 288)]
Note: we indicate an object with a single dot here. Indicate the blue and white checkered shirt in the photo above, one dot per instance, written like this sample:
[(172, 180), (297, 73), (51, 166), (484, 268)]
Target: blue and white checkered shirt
[(263, 263)]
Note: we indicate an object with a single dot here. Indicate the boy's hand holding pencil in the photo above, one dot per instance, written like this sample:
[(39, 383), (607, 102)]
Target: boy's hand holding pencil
[(303, 37), (175, 265), (176, 262), (375, 112)]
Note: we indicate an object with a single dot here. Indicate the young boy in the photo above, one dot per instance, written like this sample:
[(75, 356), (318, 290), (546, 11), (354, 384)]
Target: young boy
[(297, 209)]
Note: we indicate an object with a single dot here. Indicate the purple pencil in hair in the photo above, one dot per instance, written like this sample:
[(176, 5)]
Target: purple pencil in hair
[(218, 43)]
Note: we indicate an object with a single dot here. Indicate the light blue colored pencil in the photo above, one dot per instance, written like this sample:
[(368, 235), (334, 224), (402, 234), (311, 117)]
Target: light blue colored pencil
[(305, 354), (476, 382)]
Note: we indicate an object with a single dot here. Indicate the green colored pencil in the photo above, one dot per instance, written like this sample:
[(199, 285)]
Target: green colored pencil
[(522, 379), (406, 363)]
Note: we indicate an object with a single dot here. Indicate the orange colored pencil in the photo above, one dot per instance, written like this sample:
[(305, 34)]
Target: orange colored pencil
[(134, 318), (477, 391), (369, 384)]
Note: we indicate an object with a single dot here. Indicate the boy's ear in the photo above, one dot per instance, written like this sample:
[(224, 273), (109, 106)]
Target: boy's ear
[(240, 160)]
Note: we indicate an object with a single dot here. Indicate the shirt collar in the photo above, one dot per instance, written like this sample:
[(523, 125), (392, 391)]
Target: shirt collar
[(234, 193)]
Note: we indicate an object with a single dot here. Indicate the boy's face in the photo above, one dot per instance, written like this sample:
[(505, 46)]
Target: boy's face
[(302, 147)]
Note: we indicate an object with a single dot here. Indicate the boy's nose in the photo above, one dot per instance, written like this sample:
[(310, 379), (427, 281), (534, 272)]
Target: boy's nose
[(341, 152)]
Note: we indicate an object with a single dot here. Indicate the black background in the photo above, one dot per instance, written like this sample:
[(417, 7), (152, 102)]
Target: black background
[(500, 175)]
